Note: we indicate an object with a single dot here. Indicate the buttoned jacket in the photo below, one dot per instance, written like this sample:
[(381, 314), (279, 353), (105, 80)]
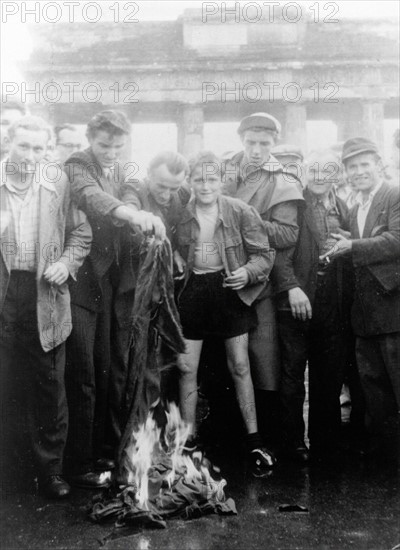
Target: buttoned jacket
[(241, 239), (89, 191), (376, 259), (305, 264), (65, 236)]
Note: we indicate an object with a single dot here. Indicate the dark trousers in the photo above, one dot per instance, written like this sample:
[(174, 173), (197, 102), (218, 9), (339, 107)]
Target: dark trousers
[(378, 361), (87, 382), (32, 380), (322, 342), (121, 331)]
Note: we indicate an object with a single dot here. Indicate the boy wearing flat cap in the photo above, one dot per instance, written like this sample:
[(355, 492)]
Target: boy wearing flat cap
[(257, 178), (374, 249), (95, 177)]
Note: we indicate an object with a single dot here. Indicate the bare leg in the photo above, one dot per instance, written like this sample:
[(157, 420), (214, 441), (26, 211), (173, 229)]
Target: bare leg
[(188, 366), (239, 367)]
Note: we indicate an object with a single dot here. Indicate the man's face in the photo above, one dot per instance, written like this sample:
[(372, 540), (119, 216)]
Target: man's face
[(257, 146), (322, 174), (206, 186), (363, 172), (7, 117), (162, 184), (27, 148), (68, 142), (107, 148)]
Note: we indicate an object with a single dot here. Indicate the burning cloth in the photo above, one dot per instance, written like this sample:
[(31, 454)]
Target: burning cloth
[(154, 318), (155, 480), (162, 482)]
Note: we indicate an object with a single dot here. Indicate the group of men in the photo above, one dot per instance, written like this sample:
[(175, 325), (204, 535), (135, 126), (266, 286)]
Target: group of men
[(284, 276)]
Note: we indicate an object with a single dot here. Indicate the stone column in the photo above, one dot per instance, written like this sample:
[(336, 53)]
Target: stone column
[(190, 130), (349, 121), (294, 130), (372, 121)]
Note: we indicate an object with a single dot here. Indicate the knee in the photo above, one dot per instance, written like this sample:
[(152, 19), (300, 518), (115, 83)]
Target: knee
[(186, 368), (240, 369)]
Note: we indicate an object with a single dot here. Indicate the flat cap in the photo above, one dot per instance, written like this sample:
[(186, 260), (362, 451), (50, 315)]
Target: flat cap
[(286, 150), (356, 146), (112, 117), (259, 120)]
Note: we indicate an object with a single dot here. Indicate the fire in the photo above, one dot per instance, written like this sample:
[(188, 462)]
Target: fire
[(149, 447), (158, 481), (139, 459)]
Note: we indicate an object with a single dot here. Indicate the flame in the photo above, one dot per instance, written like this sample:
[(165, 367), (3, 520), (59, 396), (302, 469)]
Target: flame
[(149, 448), (175, 436), (140, 459)]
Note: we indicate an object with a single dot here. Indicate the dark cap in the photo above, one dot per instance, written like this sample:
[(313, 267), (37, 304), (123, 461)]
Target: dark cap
[(108, 118), (259, 120), (287, 150), (356, 146)]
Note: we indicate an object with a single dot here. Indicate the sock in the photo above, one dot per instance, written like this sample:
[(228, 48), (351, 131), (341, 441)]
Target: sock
[(253, 441)]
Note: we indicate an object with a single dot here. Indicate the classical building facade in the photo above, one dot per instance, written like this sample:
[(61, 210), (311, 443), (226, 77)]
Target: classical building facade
[(191, 71)]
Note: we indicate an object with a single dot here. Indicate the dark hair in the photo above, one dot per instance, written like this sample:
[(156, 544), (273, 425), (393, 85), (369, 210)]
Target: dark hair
[(115, 123), (14, 105), (175, 162), (204, 159), (61, 127)]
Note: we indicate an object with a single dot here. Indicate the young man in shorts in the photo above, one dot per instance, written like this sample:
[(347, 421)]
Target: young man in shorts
[(223, 248)]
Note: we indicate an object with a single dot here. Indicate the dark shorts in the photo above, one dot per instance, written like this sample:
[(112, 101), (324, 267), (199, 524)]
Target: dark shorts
[(207, 308)]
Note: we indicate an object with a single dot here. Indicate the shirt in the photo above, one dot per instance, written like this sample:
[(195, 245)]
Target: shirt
[(207, 257), (363, 208), (23, 225)]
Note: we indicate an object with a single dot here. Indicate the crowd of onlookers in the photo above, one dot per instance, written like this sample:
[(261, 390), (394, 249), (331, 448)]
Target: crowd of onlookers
[(288, 262)]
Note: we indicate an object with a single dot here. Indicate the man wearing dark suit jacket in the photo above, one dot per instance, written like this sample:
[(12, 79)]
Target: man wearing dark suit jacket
[(312, 320), (375, 253), (95, 177)]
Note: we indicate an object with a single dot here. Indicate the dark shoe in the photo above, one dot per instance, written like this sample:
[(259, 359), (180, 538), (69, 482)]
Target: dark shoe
[(299, 453), (54, 487), (91, 480), (104, 465), (261, 459)]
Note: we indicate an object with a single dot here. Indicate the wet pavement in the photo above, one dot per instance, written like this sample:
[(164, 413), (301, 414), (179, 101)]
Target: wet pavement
[(349, 504)]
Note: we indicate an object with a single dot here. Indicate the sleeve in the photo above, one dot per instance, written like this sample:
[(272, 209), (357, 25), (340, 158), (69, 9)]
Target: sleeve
[(283, 276), (130, 194), (86, 193), (255, 239), (282, 227), (385, 245)]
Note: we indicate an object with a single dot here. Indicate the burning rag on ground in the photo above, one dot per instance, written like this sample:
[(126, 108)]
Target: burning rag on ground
[(154, 317), (155, 480)]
